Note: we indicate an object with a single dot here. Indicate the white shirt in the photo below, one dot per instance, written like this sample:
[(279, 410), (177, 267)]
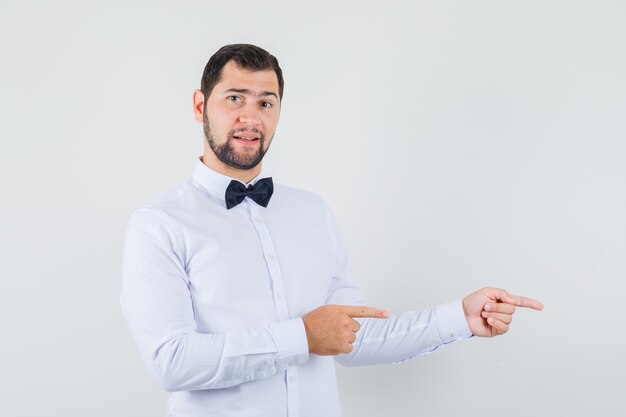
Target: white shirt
[(214, 300)]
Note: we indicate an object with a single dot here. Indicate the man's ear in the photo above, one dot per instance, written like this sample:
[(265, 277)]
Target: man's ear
[(198, 105)]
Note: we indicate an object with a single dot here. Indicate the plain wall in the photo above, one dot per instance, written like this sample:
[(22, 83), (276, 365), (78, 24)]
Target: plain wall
[(461, 144)]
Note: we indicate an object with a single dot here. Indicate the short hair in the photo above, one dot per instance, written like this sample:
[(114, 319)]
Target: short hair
[(246, 56)]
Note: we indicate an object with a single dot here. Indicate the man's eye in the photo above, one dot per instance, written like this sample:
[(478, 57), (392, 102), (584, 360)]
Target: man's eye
[(266, 104), (234, 98)]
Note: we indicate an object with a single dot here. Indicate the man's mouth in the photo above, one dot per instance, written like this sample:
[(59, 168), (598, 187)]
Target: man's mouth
[(247, 137)]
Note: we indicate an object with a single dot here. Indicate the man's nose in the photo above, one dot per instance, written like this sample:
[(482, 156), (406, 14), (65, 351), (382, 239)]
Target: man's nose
[(250, 116)]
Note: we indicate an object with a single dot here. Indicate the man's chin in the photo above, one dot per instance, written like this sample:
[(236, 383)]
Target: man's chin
[(244, 167), (238, 157), (244, 163)]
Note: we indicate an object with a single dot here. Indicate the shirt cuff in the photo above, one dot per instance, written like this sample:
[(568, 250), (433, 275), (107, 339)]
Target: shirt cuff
[(291, 341), (451, 322)]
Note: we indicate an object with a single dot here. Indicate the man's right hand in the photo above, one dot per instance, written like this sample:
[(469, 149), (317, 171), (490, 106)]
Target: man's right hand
[(331, 329)]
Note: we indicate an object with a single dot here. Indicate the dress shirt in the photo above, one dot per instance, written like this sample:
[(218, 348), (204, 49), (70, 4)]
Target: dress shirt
[(214, 299)]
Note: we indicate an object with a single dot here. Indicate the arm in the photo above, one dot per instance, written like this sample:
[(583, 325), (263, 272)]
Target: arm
[(484, 313), (157, 305), (345, 327), (405, 336)]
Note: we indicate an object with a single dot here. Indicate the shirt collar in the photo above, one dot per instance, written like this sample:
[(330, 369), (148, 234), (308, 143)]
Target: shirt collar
[(214, 182)]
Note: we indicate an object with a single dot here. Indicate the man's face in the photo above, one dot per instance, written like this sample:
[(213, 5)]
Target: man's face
[(240, 116)]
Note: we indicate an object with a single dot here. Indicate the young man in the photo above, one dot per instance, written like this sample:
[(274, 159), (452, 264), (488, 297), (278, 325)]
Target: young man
[(237, 291)]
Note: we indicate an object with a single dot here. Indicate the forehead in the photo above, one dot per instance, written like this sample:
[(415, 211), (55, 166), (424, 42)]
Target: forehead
[(233, 76)]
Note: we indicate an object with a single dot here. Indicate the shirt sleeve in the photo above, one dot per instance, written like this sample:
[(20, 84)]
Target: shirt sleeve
[(399, 337), (156, 303), (405, 336)]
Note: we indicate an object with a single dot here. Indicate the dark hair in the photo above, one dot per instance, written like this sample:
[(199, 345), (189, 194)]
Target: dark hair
[(246, 56)]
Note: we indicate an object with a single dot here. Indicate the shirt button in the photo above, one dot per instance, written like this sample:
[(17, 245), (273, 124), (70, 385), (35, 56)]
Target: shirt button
[(258, 220), (292, 363), (279, 297), (271, 257), (292, 378)]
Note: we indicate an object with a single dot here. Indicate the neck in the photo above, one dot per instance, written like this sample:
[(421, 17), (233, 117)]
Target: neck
[(244, 175)]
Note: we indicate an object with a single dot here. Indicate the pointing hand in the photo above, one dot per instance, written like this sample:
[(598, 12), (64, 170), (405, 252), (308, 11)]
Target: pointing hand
[(331, 329), (489, 311)]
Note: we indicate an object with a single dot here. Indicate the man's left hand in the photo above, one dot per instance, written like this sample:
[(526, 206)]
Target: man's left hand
[(489, 311)]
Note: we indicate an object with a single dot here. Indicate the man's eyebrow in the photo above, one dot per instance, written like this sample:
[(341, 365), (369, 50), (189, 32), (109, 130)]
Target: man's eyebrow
[(250, 92)]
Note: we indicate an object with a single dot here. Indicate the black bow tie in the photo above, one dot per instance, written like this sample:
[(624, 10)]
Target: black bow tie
[(261, 192)]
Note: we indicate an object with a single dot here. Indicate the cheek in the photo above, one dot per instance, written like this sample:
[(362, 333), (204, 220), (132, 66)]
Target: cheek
[(222, 123), (270, 123)]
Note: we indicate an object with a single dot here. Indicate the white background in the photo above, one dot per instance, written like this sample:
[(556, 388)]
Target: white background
[(460, 143)]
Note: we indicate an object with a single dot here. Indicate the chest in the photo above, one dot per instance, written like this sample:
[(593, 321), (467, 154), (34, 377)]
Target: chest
[(246, 272)]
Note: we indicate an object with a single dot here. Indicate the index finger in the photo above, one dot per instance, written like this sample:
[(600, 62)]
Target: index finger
[(522, 301), (364, 311)]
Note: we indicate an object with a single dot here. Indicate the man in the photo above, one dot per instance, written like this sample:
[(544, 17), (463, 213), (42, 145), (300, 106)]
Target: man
[(238, 291)]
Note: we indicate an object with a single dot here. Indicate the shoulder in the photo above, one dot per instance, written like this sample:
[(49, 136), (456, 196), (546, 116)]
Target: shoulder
[(172, 197), (165, 206), (292, 196), (304, 206)]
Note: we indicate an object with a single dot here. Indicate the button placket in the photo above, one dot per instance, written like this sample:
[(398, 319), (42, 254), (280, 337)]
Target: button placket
[(293, 398), (272, 264), (280, 302)]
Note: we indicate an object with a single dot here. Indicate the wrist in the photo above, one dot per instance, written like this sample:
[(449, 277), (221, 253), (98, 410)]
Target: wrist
[(309, 334)]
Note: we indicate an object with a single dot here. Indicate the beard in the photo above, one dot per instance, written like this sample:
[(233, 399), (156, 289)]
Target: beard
[(226, 153)]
